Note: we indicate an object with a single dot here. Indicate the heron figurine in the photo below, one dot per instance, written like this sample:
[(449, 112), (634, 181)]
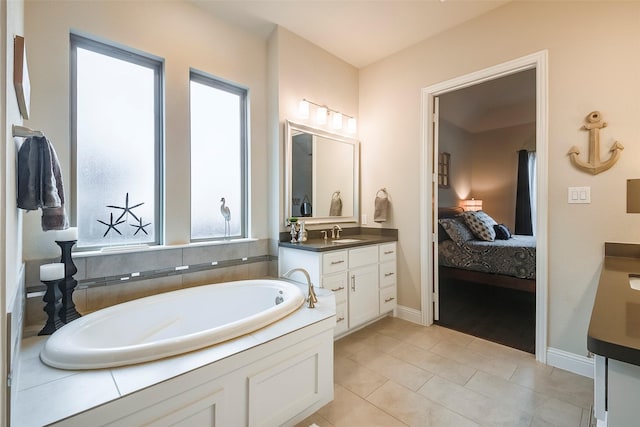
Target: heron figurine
[(226, 213)]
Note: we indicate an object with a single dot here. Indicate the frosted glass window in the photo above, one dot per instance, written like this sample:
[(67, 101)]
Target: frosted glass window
[(116, 132), (218, 146)]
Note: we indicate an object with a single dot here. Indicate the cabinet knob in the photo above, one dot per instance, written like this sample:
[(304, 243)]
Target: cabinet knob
[(388, 274), (337, 262), (339, 319), (339, 288), (353, 283), (388, 252), (389, 299)]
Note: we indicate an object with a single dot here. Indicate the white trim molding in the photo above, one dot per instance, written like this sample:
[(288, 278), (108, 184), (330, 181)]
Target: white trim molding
[(537, 61), (409, 314), (571, 362)]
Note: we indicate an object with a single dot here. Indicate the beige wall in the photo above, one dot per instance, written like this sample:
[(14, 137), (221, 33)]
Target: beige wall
[(458, 143), (484, 166), (593, 64), (495, 169), (184, 36), (306, 71)]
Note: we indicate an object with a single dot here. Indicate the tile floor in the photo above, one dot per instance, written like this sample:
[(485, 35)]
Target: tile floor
[(396, 373)]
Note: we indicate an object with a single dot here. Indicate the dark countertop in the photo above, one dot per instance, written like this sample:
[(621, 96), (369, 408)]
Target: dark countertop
[(321, 245), (614, 329)]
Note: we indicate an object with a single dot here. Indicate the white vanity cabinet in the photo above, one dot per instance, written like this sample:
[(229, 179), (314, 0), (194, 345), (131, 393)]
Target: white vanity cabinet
[(363, 279), (388, 280), (363, 285)]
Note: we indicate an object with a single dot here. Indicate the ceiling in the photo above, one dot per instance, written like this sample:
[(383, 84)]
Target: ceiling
[(360, 32), (503, 102)]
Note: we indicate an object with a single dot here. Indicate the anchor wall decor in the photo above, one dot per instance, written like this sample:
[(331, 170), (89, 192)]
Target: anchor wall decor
[(595, 166)]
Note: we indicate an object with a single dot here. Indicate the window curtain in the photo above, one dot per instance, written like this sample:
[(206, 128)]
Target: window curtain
[(532, 189), (525, 195)]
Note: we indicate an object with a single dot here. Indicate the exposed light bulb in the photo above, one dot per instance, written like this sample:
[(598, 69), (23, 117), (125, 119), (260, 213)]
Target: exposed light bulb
[(321, 115), (303, 109)]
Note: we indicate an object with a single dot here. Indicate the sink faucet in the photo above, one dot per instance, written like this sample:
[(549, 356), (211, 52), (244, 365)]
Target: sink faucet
[(312, 298), (335, 231)]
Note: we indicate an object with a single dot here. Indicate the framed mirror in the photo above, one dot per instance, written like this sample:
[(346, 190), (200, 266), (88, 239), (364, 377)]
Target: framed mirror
[(321, 175)]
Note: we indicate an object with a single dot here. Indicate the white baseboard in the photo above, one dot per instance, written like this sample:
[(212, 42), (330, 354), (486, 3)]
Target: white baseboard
[(571, 362), (409, 314)]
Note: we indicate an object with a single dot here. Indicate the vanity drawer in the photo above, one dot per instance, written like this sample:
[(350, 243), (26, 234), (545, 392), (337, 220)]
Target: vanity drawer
[(387, 274), (341, 319), (338, 284), (388, 297), (334, 261), (387, 251), (363, 256)]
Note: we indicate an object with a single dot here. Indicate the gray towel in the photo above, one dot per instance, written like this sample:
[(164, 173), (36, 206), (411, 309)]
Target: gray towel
[(335, 209), (381, 208), (40, 182)]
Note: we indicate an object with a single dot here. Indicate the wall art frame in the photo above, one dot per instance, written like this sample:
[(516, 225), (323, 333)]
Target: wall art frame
[(21, 81)]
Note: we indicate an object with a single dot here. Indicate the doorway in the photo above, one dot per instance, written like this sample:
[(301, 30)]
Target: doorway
[(429, 186)]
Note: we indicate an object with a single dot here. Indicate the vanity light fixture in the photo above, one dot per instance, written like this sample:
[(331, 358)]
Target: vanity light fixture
[(303, 109), (351, 125), (322, 114), (336, 120)]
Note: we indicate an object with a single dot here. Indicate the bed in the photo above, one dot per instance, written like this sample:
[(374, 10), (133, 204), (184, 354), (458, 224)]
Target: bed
[(509, 263)]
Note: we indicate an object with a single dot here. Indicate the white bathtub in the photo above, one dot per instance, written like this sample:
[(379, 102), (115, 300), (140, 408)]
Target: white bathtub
[(168, 324)]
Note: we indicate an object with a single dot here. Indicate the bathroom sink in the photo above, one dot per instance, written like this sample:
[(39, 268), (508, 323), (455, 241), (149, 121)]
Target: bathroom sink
[(634, 281), (346, 240)]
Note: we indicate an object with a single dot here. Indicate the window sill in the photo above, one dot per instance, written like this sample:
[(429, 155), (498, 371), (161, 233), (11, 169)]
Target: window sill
[(115, 250)]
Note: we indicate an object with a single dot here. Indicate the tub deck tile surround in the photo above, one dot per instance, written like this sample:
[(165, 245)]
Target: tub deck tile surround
[(204, 254), (42, 387), (101, 276), (376, 371), (116, 264)]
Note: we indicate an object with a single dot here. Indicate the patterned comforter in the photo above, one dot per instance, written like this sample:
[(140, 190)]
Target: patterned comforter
[(513, 257)]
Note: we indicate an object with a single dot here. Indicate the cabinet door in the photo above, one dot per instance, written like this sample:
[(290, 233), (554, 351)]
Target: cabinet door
[(363, 295)]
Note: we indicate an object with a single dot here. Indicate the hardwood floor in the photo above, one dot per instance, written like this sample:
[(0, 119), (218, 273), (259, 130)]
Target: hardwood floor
[(504, 316)]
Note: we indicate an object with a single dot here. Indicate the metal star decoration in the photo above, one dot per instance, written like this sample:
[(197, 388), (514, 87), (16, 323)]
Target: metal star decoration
[(111, 225), (140, 227), (126, 208)]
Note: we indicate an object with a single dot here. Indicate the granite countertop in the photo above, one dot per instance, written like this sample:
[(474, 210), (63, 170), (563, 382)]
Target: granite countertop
[(321, 245), (614, 329)]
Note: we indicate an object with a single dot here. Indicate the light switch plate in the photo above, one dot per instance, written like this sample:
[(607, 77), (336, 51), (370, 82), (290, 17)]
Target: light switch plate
[(579, 195)]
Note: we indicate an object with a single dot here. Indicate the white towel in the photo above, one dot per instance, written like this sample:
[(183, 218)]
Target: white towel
[(381, 206)]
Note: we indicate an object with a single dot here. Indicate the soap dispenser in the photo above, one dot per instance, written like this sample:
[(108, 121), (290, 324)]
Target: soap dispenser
[(302, 234)]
